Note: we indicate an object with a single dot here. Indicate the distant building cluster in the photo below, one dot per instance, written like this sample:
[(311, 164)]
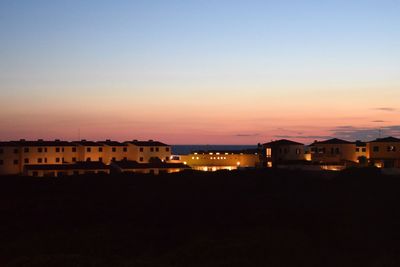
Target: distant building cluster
[(60, 158)]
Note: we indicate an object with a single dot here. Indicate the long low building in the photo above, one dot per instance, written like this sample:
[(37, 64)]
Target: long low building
[(21, 157)]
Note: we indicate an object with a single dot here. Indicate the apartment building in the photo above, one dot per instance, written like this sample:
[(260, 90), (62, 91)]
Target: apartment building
[(385, 152), (52, 158), (283, 152), (333, 152)]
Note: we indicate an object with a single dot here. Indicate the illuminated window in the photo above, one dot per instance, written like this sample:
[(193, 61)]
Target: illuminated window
[(197, 157), (269, 152), (391, 149)]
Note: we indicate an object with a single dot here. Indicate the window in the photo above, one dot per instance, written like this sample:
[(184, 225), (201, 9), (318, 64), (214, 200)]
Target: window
[(100, 149), (157, 149), (89, 149), (364, 149), (337, 150), (166, 158), (45, 160), (114, 149), (151, 149), (62, 160), (57, 159), (125, 149), (376, 148), (113, 159), (39, 160), (391, 149), (40, 150), (16, 151), (141, 149), (100, 159), (269, 152), (357, 149), (298, 151), (1, 162), (57, 149), (73, 159), (62, 149), (26, 161), (141, 159), (74, 149), (16, 162), (88, 159), (167, 149), (26, 149), (1, 151), (45, 149)]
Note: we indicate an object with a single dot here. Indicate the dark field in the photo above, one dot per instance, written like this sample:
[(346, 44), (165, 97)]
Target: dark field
[(248, 218)]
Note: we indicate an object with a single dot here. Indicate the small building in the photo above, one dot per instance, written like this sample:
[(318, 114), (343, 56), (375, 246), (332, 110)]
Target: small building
[(283, 152), (145, 151), (57, 170), (385, 152), (334, 152), (154, 167)]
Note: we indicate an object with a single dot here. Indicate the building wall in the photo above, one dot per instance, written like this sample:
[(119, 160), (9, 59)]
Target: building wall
[(276, 153), (384, 154), (114, 153), (10, 160), (216, 161), (143, 154), (334, 153)]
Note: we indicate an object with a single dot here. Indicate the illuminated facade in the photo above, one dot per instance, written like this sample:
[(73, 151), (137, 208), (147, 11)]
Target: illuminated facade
[(334, 152), (53, 158), (385, 152), (283, 152)]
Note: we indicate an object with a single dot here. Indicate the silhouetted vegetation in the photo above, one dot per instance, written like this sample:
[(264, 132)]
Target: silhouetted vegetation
[(243, 218)]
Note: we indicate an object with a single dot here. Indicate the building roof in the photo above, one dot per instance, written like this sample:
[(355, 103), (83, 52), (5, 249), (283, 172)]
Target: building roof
[(146, 143), (360, 143), (87, 143), (282, 142), (389, 139), (333, 141), (40, 142), (92, 165), (111, 143), (127, 164)]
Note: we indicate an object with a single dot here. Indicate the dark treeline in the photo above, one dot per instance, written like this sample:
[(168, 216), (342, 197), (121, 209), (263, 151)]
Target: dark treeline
[(240, 218)]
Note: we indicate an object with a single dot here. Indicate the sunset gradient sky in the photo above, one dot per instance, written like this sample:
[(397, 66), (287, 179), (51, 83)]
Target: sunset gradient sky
[(199, 72)]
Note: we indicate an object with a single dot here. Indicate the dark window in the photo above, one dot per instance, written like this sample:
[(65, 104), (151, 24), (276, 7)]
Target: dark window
[(141, 149), (376, 148), (1, 151), (100, 149), (57, 149), (151, 149), (45, 160), (166, 158), (26, 149), (63, 160), (39, 160), (26, 161), (15, 150), (157, 149), (337, 150), (114, 149), (357, 149), (57, 159), (101, 159), (40, 150), (74, 149), (62, 149), (89, 149), (1, 162), (45, 149), (88, 159), (167, 149), (141, 159), (113, 159), (364, 149), (16, 162), (73, 159), (125, 149)]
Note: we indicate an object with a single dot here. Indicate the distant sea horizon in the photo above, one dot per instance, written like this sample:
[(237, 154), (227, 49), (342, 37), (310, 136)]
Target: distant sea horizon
[(187, 149)]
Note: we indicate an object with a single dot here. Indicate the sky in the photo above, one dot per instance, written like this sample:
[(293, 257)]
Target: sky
[(199, 71)]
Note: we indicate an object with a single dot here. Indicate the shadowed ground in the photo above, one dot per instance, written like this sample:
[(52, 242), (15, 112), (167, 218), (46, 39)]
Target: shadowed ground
[(248, 218)]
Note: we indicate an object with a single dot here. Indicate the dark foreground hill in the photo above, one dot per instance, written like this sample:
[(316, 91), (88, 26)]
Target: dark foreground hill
[(248, 218)]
